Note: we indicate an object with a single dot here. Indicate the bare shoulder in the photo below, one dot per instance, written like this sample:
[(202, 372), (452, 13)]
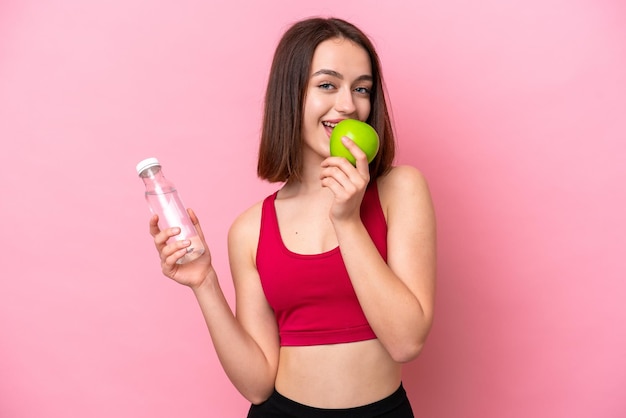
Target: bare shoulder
[(403, 184), (243, 234)]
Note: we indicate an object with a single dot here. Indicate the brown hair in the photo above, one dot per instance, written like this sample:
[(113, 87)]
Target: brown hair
[(280, 155)]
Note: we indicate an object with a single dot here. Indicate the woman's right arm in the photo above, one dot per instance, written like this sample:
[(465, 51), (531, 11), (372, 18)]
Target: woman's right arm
[(246, 343)]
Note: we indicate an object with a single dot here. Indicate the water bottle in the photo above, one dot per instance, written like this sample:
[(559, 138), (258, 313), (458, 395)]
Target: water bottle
[(163, 200)]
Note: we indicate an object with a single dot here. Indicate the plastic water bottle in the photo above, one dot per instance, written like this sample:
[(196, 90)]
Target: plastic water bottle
[(163, 200)]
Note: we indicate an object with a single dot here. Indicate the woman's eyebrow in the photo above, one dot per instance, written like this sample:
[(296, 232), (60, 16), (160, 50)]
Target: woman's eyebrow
[(338, 75), (332, 73)]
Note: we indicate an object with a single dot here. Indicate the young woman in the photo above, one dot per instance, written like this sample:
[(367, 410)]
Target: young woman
[(334, 273)]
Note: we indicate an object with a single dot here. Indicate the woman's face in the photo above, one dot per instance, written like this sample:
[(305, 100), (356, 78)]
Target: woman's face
[(339, 88)]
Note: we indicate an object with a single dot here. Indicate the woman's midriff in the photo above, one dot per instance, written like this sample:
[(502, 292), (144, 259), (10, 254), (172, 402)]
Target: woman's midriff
[(338, 375)]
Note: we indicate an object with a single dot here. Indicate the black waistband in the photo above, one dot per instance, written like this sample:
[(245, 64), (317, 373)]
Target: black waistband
[(281, 406)]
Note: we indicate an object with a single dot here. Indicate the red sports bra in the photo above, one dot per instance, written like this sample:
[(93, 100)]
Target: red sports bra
[(311, 294)]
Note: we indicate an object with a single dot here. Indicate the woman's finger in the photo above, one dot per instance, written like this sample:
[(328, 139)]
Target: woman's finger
[(361, 158), (348, 174), (170, 258), (196, 223), (336, 172), (154, 225)]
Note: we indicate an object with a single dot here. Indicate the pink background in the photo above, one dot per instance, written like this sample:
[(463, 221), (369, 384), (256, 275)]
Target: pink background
[(514, 110)]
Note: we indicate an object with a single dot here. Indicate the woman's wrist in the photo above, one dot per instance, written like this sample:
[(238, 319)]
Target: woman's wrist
[(210, 281)]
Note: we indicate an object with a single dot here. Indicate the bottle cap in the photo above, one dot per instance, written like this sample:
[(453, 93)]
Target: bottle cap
[(147, 163)]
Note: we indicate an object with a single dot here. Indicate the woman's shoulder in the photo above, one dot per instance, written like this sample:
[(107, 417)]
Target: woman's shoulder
[(247, 224), (402, 181), (246, 227), (406, 201)]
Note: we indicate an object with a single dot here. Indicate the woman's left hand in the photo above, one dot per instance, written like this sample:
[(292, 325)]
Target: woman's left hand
[(347, 182)]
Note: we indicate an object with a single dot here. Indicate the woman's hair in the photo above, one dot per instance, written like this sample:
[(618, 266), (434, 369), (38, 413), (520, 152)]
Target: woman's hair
[(280, 151)]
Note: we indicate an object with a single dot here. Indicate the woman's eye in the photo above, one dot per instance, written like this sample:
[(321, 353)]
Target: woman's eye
[(326, 86), (363, 90)]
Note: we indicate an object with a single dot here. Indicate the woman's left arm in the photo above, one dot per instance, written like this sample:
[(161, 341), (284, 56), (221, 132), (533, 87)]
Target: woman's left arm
[(397, 297)]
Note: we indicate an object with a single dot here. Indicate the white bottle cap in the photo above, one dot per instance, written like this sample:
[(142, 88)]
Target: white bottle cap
[(147, 163)]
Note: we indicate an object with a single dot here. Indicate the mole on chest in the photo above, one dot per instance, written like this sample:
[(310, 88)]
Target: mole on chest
[(309, 238)]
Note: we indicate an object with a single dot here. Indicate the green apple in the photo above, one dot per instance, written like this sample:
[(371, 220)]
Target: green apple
[(360, 132)]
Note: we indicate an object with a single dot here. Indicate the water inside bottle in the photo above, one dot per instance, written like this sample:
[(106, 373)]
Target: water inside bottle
[(172, 213)]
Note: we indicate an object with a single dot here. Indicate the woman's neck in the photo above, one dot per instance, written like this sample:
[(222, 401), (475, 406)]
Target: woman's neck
[(309, 181)]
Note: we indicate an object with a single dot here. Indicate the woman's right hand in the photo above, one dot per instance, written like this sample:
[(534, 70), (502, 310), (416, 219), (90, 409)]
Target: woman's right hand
[(191, 274)]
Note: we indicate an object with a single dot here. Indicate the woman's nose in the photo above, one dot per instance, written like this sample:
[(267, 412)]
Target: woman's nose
[(345, 101)]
